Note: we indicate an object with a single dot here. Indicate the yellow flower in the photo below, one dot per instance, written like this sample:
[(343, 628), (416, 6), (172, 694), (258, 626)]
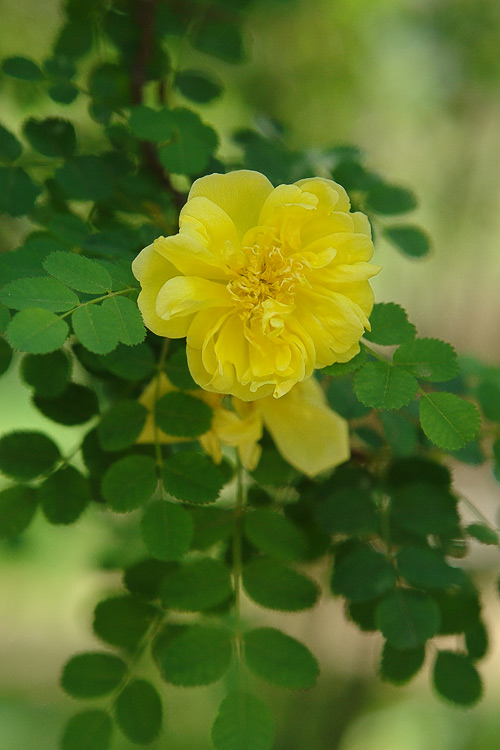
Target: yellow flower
[(307, 433), (266, 283)]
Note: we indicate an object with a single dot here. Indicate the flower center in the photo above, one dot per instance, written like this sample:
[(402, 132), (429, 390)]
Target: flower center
[(265, 280)]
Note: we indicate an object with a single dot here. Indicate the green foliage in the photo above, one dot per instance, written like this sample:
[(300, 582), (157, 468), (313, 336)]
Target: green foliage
[(198, 585), (390, 199), (18, 192), (5, 356), (428, 359), (411, 240), (198, 86), (37, 331), (448, 421), (221, 39), (22, 68), (51, 137), (363, 574), (88, 730), (24, 455), (64, 496), (424, 508), (10, 148), (275, 535), (381, 386), (407, 618), (17, 508), (120, 427), (167, 530), (192, 477), (45, 293), (123, 620), (390, 325), (456, 678), (47, 374), (138, 712), (129, 483), (92, 674), (399, 666), (182, 415), (78, 272), (348, 510), (276, 586), (197, 655), (75, 405), (280, 659), (243, 723)]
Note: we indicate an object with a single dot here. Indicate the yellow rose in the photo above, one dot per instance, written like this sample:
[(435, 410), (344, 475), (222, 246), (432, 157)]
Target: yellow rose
[(307, 433), (266, 283)]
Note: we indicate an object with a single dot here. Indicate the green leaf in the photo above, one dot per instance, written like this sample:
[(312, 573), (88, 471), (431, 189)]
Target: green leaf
[(75, 38), (5, 356), (275, 535), (85, 178), (427, 569), (425, 508), (382, 386), (407, 618), (17, 508), (120, 427), (243, 723), (63, 93), (88, 730), (221, 39), (144, 578), (191, 145), (75, 405), (129, 483), (10, 147), (150, 124), (348, 510), (280, 659), (448, 421), (25, 454), (273, 470), (48, 374), (197, 86), (138, 712), (363, 574), (166, 530), (22, 68), (476, 641), (460, 609), (428, 359), (483, 533), (211, 525), (399, 433), (52, 136), (177, 371), (456, 678), (399, 666), (411, 240), (198, 655), (130, 362), (343, 400), (79, 272), (390, 199), (418, 469), (4, 315), (93, 325), (343, 368), (276, 586), (127, 325), (488, 394), (192, 477), (390, 325), (42, 292), (18, 192), (123, 620), (183, 415), (64, 496), (92, 674), (197, 585)]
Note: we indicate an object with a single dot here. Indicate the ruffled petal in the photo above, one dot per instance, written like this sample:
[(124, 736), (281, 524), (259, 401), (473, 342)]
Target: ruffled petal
[(186, 295), (241, 194), (190, 256), (307, 433), (331, 195), (153, 270), (208, 224)]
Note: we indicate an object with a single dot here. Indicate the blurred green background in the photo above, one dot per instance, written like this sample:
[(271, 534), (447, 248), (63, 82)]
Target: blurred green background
[(415, 84)]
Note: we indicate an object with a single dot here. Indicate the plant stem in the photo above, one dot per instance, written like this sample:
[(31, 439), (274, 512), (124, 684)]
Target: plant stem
[(237, 563)]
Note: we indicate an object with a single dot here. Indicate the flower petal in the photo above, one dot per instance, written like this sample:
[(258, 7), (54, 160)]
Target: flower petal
[(185, 295), (190, 256), (153, 270), (241, 194), (208, 224), (331, 195), (307, 433)]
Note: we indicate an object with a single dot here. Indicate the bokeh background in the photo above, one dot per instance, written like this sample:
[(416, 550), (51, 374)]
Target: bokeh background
[(416, 85)]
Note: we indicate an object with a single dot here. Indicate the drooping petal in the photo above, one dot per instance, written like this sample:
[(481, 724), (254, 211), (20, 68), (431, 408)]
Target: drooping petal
[(307, 433), (241, 194)]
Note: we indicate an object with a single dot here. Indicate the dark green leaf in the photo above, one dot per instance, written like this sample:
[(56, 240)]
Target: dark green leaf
[(390, 325), (426, 568), (177, 371), (192, 477), (167, 530), (411, 240), (63, 93), (93, 674), (48, 374), (85, 178), (399, 433), (127, 321), (88, 730), (243, 723), (4, 315), (60, 67), (75, 405), (272, 584), (198, 585), (273, 470), (10, 147), (425, 508), (483, 533), (275, 535), (191, 144), (18, 192), (221, 39), (198, 655), (24, 455), (75, 38), (183, 415), (488, 394), (121, 425), (428, 359), (456, 678), (363, 574), (64, 495), (343, 368), (390, 199), (150, 124), (123, 620), (42, 292), (138, 712), (348, 510), (280, 659), (130, 362), (418, 469), (78, 272), (382, 386), (448, 421), (211, 525), (144, 579), (407, 618), (93, 325), (5, 356), (51, 137), (460, 609), (477, 641), (129, 483), (399, 666), (342, 399), (22, 68), (197, 86), (17, 508)]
